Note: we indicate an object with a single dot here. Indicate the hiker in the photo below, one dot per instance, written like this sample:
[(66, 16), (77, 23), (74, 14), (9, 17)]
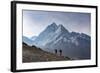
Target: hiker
[(60, 51), (55, 51)]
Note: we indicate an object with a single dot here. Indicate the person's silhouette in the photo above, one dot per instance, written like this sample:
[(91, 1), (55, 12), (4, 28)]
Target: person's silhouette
[(55, 51), (60, 52)]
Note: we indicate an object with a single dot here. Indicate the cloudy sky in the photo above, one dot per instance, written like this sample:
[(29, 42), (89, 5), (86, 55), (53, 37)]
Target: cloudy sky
[(35, 22)]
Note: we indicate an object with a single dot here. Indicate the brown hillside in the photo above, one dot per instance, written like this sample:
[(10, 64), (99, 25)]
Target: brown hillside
[(34, 54)]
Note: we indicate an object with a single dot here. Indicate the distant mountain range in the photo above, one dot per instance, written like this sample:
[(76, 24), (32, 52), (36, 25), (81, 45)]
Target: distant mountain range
[(74, 45), (27, 41)]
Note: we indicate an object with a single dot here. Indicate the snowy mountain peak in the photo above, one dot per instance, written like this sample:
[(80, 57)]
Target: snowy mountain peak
[(61, 28), (54, 24)]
